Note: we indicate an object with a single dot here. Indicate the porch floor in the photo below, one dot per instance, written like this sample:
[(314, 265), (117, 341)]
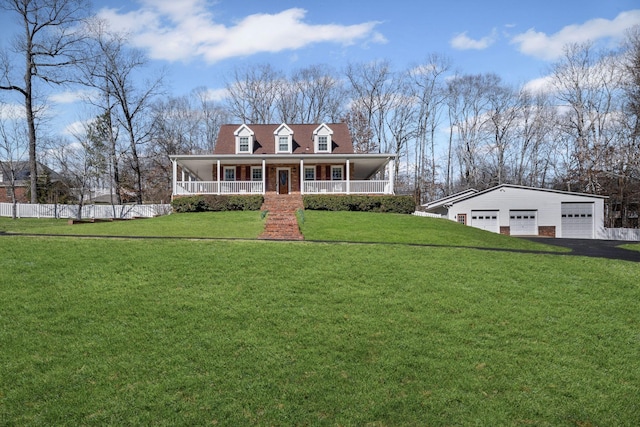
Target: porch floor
[(281, 223)]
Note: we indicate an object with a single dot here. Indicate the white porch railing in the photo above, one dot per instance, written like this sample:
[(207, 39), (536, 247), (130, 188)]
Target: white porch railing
[(256, 187), (219, 187), (351, 187)]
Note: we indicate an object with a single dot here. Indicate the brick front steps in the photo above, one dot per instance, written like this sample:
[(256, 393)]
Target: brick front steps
[(281, 223)]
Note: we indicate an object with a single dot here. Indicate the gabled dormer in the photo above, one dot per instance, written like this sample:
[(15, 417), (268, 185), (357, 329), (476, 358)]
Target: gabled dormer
[(322, 139), (283, 139), (244, 139)]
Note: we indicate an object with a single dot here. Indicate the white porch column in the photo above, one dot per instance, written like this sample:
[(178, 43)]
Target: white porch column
[(218, 176), (392, 174), (174, 177), (301, 176), (264, 176), (348, 178)]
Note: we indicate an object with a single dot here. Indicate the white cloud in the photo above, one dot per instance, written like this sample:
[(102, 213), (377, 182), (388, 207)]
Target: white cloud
[(464, 42), (175, 31), (77, 128), (550, 47), (216, 94), (11, 111), (540, 85), (71, 97)]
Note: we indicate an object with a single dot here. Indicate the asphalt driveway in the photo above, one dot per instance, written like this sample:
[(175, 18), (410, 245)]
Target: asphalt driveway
[(593, 248)]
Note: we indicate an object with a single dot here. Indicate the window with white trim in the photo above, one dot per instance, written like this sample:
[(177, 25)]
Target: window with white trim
[(322, 143), (229, 173), (283, 144), (256, 173), (243, 146), (310, 173), (336, 173)]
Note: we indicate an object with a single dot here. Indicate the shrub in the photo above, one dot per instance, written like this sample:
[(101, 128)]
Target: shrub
[(393, 204), (216, 203)]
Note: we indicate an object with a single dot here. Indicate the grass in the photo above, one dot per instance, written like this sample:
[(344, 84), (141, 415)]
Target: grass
[(188, 332), (407, 229), (244, 224), (631, 246)]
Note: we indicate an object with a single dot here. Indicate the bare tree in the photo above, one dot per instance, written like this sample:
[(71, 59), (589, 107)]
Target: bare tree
[(319, 95), (13, 151), (253, 92), (468, 103), (400, 121), (501, 127), (428, 81), (213, 116), (532, 139), (83, 162), (361, 133), (52, 41), (371, 91), (126, 94), (586, 85)]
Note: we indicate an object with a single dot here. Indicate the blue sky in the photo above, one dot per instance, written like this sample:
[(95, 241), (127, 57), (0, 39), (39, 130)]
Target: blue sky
[(200, 42)]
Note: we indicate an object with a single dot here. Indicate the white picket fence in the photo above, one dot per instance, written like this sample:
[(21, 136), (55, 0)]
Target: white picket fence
[(88, 211), (427, 214), (631, 234)]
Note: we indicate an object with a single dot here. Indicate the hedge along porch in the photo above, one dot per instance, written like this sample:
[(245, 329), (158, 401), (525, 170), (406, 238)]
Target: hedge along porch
[(306, 159)]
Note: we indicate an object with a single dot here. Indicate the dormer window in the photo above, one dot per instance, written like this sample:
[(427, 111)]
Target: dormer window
[(322, 139), (244, 140), (244, 144), (283, 139)]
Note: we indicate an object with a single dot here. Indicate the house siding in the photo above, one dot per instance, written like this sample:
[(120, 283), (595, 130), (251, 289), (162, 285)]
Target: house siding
[(21, 195)]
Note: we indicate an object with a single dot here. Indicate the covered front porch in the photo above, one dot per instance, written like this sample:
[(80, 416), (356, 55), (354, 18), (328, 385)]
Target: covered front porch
[(309, 174)]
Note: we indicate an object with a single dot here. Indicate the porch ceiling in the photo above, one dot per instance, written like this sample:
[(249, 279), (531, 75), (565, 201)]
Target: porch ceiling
[(365, 165)]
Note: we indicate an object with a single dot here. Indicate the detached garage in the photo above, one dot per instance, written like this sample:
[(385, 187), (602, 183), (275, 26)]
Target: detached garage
[(526, 211)]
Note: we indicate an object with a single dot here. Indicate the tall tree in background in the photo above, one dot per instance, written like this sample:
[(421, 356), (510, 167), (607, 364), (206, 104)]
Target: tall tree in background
[(468, 103), (533, 158), (370, 85), (319, 95), (631, 67), (126, 95), (13, 152), (252, 93), (52, 41), (586, 84), (501, 126), (428, 81)]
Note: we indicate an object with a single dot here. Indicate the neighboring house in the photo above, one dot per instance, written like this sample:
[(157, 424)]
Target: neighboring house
[(284, 158), (15, 176), (526, 211)]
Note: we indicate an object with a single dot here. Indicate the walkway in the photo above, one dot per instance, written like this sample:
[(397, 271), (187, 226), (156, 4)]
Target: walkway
[(282, 223)]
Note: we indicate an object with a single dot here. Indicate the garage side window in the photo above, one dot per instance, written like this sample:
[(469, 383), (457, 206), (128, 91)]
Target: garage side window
[(462, 219)]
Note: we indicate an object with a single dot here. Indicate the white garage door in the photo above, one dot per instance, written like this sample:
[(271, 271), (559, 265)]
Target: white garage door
[(577, 220), (523, 223), (486, 220)]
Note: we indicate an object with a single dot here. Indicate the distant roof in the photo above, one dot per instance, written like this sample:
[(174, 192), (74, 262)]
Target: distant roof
[(471, 193), (450, 199), (21, 171), (302, 138)]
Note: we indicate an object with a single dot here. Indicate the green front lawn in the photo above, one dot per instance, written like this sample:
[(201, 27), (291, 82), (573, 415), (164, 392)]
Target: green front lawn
[(407, 229), (188, 332), (239, 224)]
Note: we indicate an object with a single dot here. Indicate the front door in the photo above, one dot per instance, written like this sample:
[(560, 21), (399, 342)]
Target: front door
[(283, 181)]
